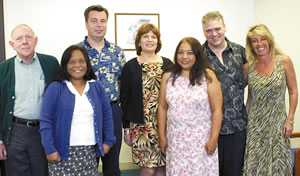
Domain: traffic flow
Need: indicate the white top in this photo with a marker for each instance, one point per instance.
(82, 128)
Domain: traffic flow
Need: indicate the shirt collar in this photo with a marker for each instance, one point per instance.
(229, 44)
(228, 47)
(74, 91)
(88, 46)
(22, 61)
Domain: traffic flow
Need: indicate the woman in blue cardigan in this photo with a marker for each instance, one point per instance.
(76, 120)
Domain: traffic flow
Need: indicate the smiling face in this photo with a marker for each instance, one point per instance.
(77, 66)
(23, 41)
(96, 24)
(148, 42)
(260, 45)
(214, 31)
(185, 56)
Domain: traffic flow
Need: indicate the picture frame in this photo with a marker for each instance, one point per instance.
(127, 24)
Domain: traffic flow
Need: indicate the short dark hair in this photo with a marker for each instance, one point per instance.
(200, 67)
(98, 8)
(63, 74)
(143, 29)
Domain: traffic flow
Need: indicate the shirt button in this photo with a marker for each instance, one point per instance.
(10, 112)
(13, 97)
(96, 131)
(9, 128)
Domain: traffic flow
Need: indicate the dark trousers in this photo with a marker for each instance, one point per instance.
(25, 153)
(110, 162)
(2, 167)
(231, 150)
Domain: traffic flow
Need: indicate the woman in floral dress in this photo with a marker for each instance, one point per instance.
(140, 82)
(190, 113)
(268, 148)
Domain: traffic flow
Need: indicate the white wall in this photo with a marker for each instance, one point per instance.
(282, 18)
(60, 23)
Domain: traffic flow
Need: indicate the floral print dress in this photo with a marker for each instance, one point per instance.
(145, 151)
(188, 130)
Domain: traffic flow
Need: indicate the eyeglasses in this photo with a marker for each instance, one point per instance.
(188, 53)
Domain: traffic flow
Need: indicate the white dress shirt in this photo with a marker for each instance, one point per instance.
(82, 128)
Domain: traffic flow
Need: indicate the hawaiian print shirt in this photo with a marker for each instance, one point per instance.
(107, 65)
(230, 75)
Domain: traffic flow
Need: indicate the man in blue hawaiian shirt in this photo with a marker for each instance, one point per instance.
(107, 60)
(228, 59)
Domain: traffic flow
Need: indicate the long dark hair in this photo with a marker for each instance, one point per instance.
(198, 69)
(63, 74)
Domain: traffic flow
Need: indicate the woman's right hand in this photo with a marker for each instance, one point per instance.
(127, 139)
(211, 146)
(163, 143)
(53, 158)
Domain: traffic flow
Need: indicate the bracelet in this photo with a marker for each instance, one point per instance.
(290, 121)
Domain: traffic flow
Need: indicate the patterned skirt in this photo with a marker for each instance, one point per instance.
(145, 151)
(81, 162)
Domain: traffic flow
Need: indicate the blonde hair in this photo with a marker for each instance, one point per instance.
(263, 30)
(209, 16)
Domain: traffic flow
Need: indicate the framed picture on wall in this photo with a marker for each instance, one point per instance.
(127, 24)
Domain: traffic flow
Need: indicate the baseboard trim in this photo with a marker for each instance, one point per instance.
(123, 166)
(128, 166)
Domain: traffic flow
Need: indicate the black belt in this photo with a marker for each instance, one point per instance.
(29, 123)
(114, 102)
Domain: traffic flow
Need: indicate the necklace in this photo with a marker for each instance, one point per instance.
(153, 59)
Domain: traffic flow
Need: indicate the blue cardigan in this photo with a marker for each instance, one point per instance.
(57, 114)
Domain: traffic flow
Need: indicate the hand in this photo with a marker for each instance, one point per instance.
(163, 143)
(53, 158)
(3, 152)
(127, 139)
(210, 146)
(106, 148)
(287, 129)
